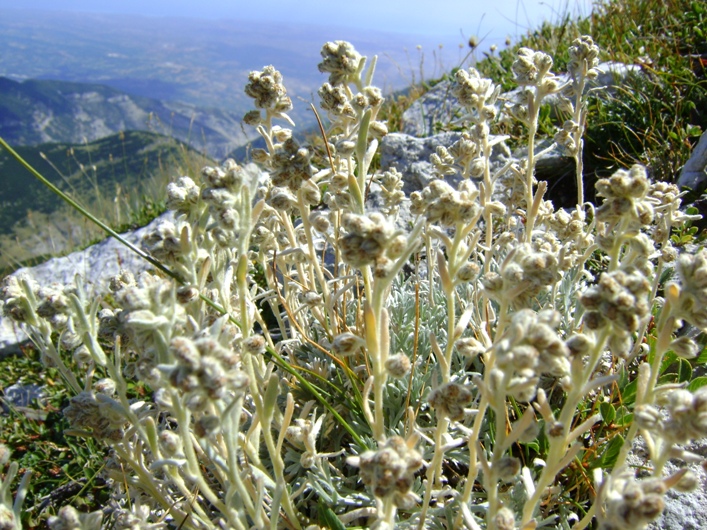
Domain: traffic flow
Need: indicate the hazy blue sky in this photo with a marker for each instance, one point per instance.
(439, 18)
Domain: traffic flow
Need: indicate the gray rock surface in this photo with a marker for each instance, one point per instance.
(432, 112)
(411, 156)
(95, 265)
(694, 173)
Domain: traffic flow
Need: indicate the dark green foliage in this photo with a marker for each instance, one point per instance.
(655, 118)
(125, 160)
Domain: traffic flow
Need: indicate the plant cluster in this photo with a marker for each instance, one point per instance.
(314, 358)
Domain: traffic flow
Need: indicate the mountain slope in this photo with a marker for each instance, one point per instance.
(40, 111)
(93, 172)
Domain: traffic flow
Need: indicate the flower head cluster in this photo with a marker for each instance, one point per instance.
(370, 239)
(226, 190)
(626, 197)
(450, 399)
(565, 138)
(666, 203)
(24, 300)
(205, 366)
(391, 191)
(462, 154)
(335, 100)
(303, 435)
(164, 241)
(533, 68)
(691, 300)
(621, 299)
(584, 57)
(340, 60)
(137, 517)
(440, 203)
(267, 90)
(390, 470)
(531, 347)
(70, 519)
(371, 96)
(476, 93)
(686, 418)
(147, 306)
(290, 165)
(567, 225)
(630, 504)
(443, 162)
(15, 301)
(466, 154)
(183, 195)
(524, 274)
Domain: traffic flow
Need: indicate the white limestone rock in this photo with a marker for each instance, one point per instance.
(694, 173)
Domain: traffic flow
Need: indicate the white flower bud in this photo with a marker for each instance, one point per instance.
(346, 344)
(105, 386)
(685, 347)
(170, 443)
(398, 365)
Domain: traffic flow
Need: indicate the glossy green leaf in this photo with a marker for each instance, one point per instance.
(608, 412)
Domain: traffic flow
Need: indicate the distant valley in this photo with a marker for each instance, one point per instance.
(41, 111)
(108, 105)
(200, 62)
(94, 173)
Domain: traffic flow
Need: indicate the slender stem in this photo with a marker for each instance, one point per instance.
(579, 117)
(559, 445)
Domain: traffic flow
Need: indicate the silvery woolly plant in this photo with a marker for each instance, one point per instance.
(324, 362)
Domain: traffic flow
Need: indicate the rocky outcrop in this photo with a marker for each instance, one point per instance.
(694, 173)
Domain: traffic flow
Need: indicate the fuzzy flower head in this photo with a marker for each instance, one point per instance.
(16, 303)
(625, 197)
(390, 471)
(525, 273)
(391, 190)
(450, 399)
(164, 242)
(630, 504)
(686, 418)
(69, 518)
(206, 367)
(531, 347)
(97, 413)
(687, 415)
(266, 88)
(476, 93)
(335, 101)
(369, 240)
(619, 299)
(291, 165)
(340, 60)
(440, 203)
(531, 67)
(565, 138)
(690, 297)
(584, 56)
(183, 195)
